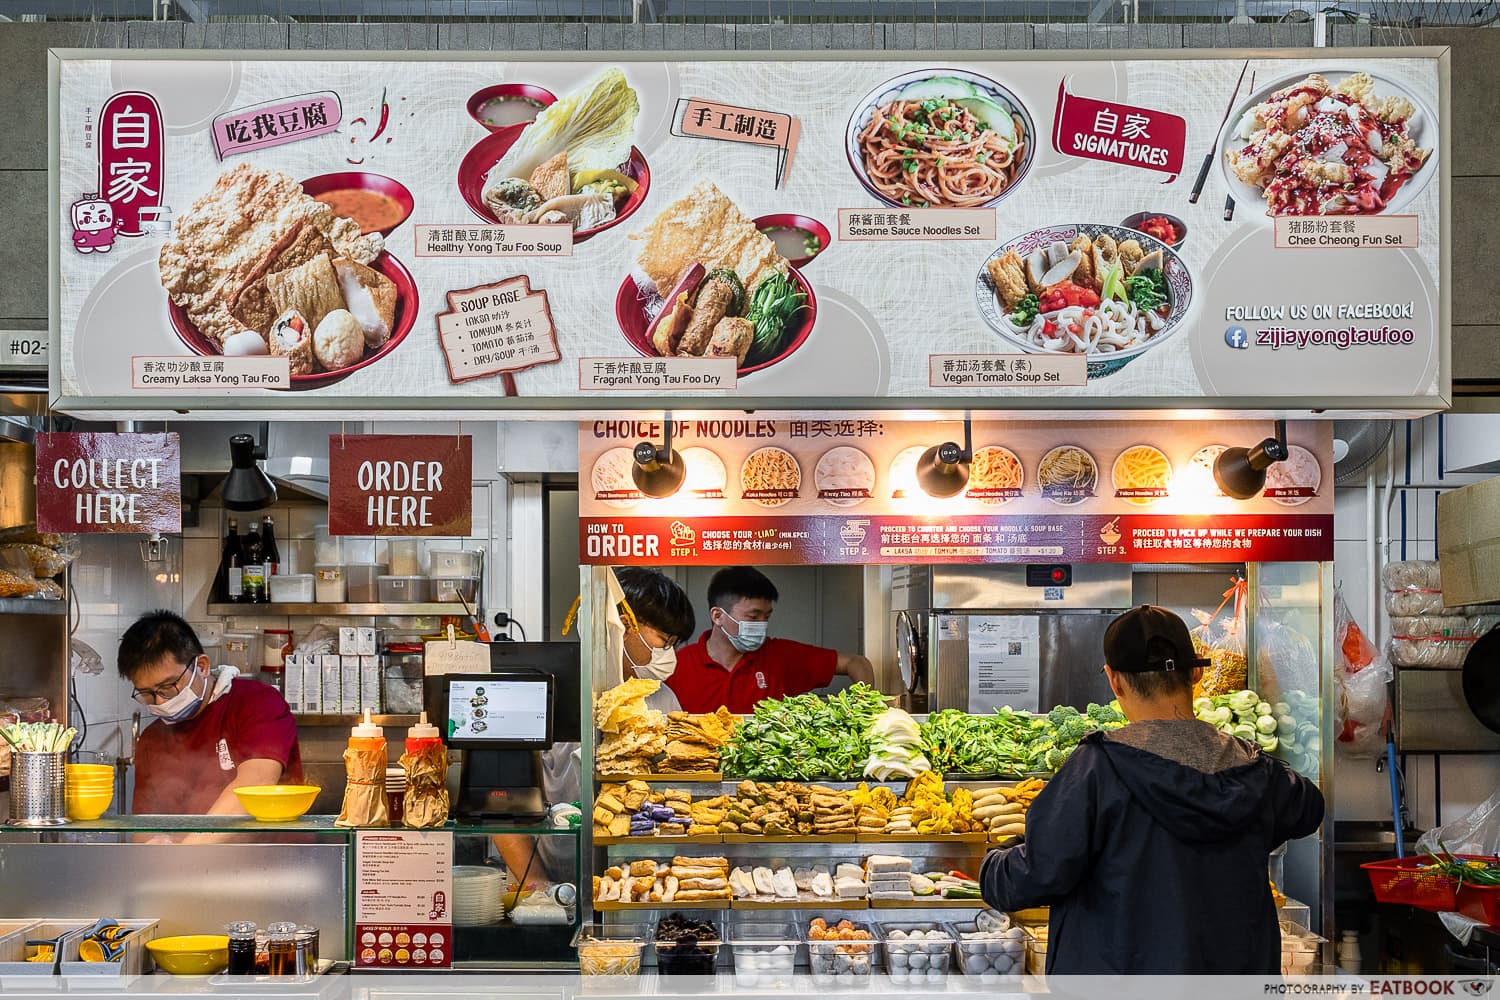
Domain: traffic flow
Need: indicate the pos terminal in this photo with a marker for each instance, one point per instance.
(499, 720)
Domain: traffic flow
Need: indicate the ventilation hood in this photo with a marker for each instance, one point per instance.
(296, 454)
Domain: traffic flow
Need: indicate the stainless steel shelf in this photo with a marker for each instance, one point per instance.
(24, 606)
(312, 610)
(349, 720)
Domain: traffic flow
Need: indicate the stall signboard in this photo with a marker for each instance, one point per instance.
(395, 484)
(937, 231)
(108, 483)
(403, 899)
(848, 491)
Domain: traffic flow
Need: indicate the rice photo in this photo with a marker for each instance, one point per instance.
(844, 476)
(770, 476)
(1295, 481)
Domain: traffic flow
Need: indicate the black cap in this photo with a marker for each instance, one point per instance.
(1149, 638)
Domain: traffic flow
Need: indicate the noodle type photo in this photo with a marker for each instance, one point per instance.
(612, 481)
(940, 139)
(1105, 292)
(1295, 481)
(1142, 475)
(904, 473)
(706, 475)
(845, 476)
(1203, 460)
(1067, 475)
(995, 475)
(770, 477)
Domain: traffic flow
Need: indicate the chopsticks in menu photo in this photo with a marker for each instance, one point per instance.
(1229, 199)
(1208, 158)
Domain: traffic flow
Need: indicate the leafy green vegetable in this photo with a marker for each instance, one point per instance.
(594, 125)
(806, 736)
(1026, 309)
(1148, 290)
(1112, 282)
(773, 304)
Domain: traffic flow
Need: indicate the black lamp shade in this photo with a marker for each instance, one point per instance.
(943, 470)
(657, 472)
(246, 487)
(1236, 476)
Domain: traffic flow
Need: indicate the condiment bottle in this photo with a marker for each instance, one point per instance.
(364, 777)
(422, 736)
(425, 803)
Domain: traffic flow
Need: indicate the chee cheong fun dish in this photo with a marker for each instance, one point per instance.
(261, 268)
(1090, 296)
(565, 166)
(726, 290)
(942, 143)
(1317, 148)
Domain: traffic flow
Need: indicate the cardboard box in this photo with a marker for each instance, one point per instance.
(312, 684)
(349, 687)
(292, 682)
(367, 642)
(331, 670)
(348, 641)
(369, 684)
(1468, 536)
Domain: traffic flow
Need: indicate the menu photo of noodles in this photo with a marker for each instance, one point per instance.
(995, 475)
(1201, 465)
(706, 475)
(770, 476)
(844, 476)
(1068, 475)
(611, 479)
(1105, 292)
(1294, 481)
(903, 475)
(1142, 475)
(940, 138)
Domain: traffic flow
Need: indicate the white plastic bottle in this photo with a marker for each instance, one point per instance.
(1348, 952)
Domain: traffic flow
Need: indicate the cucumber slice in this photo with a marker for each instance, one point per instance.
(938, 87)
(992, 115)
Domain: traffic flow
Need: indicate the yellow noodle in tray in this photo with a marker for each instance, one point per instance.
(995, 475)
(770, 476)
(1142, 475)
(1068, 475)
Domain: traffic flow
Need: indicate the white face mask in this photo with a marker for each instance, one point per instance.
(181, 705)
(661, 664)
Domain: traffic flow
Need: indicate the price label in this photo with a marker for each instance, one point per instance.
(23, 348)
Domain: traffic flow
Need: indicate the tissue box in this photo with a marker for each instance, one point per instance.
(349, 688)
(369, 684)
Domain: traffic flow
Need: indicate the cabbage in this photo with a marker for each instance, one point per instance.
(594, 125)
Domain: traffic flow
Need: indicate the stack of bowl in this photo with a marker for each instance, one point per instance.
(91, 789)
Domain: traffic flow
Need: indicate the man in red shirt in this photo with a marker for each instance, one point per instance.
(736, 663)
(215, 732)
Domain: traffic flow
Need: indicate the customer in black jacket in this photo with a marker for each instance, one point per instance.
(1151, 844)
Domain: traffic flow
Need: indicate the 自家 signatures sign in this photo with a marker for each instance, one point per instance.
(395, 484)
(108, 483)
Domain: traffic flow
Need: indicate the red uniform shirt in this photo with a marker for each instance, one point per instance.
(779, 668)
(185, 767)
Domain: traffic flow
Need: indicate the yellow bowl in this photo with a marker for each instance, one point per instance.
(91, 786)
(191, 954)
(86, 806)
(100, 772)
(276, 803)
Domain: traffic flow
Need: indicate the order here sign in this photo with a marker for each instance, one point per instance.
(390, 484)
(108, 483)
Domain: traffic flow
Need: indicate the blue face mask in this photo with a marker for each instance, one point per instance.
(182, 705)
(749, 636)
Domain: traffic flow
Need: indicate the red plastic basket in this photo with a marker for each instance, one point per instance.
(1480, 902)
(1412, 882)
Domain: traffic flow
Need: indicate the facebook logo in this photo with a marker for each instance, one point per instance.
(1237, 338)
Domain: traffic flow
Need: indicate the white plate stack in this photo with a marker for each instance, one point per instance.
(478, 895)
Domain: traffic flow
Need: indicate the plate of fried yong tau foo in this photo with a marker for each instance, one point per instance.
(259, 268)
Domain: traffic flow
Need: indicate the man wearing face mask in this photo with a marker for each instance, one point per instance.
(214, 731)
(736, 663)
(665, 618)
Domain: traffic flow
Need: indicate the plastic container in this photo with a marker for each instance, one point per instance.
(363, 582)
(13, 948)
(765, 955)
(330, 586)
(359, 551)
(292, 588)
(992, 956)
(1480, 902)
(455, 562)
(1300, 948)
(275, 643)
(455, 589)
(687, 958)
(405, 556)
(132, 961)
(327, 549)
(403, 589)
(844, 962)
(240, 651)
(613, 951)
(1036, 951)
(918, 952)
(401, 683)
(1413, 881)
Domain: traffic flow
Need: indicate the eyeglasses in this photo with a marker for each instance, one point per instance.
(160, 693)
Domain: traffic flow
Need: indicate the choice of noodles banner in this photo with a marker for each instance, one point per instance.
(945, 230)
(853, 491)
